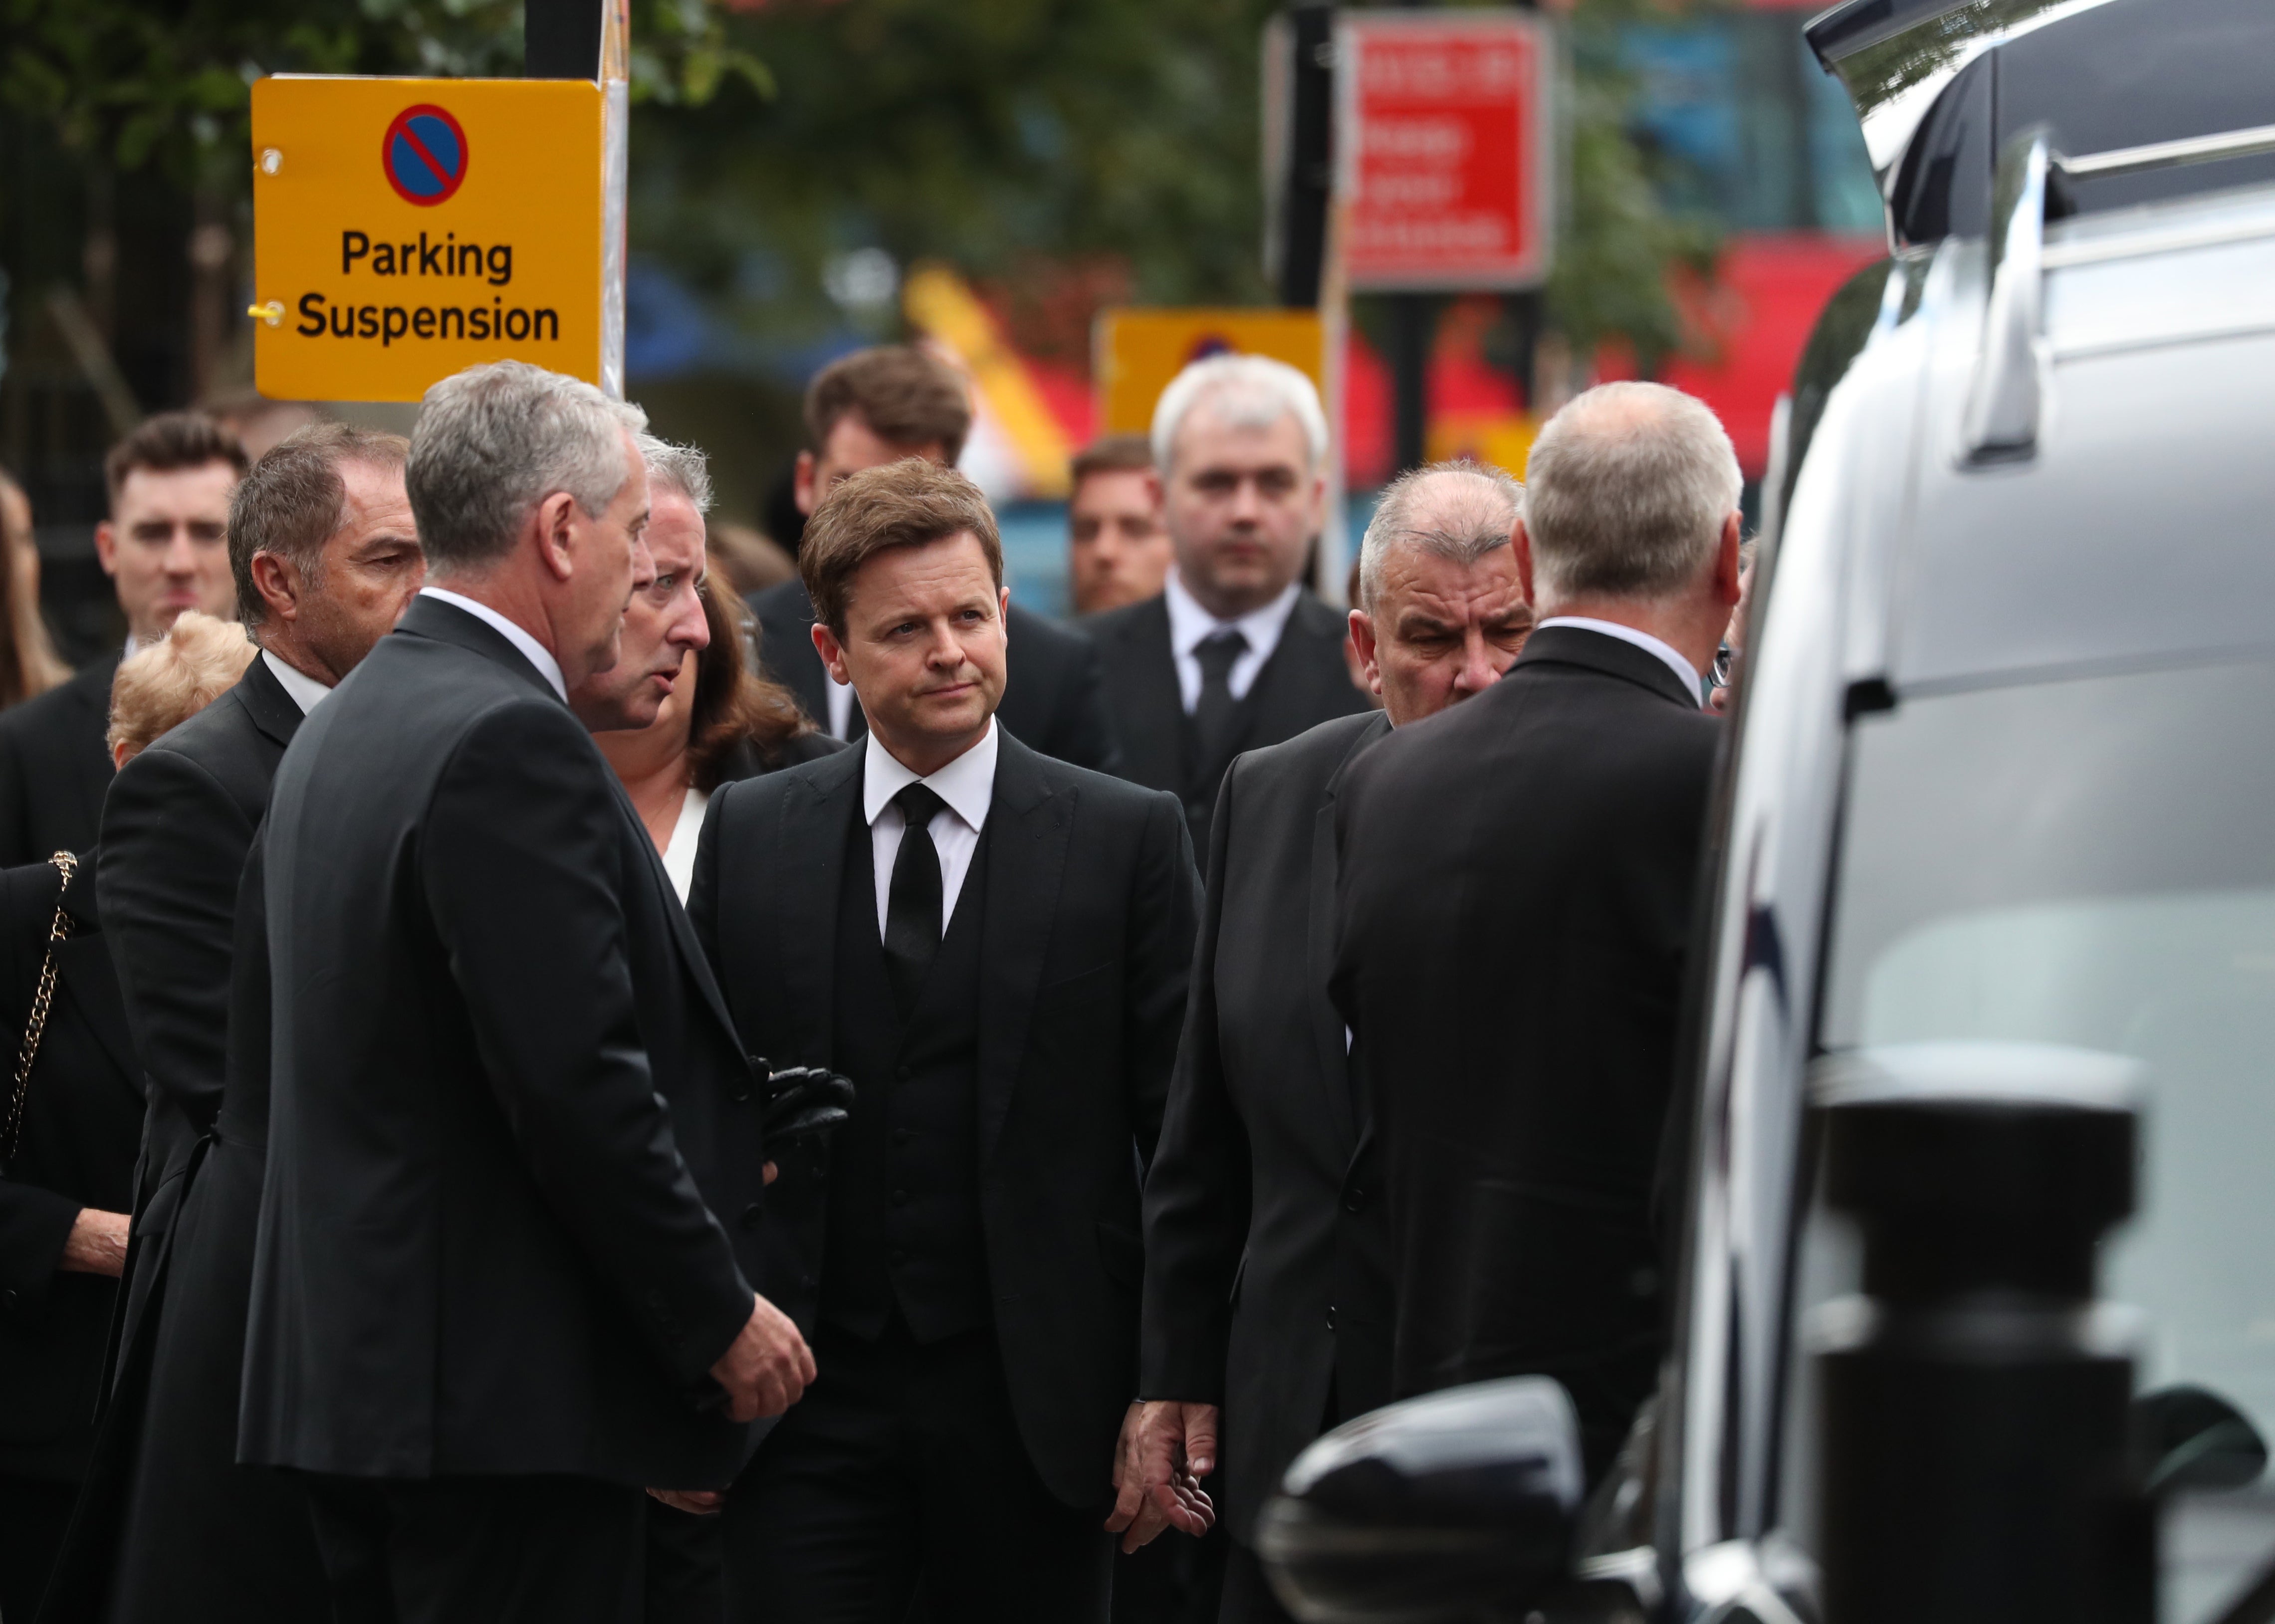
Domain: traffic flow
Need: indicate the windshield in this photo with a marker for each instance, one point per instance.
(2091, 863)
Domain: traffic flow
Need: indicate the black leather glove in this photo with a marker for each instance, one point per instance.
(802, 1101)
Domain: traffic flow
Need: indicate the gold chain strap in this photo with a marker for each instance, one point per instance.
(66, 865)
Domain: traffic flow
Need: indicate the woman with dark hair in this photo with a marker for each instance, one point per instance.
(722, 722)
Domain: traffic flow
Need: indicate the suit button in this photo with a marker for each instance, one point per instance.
(1331, 1316)
(754, 1215)
(1355, 1201)
(900, 1197)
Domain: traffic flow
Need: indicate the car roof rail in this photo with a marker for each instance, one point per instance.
(2030, 187)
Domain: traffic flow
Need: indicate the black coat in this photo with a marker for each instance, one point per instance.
(55, 766)
(1267, 1273)
(1303, 684)
(1513, 908)
(178, 821)
(1085, 943)
(480, 1249)
(1052, 699)
(82, 1121)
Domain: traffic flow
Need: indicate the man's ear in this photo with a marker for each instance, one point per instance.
(557, 533)
(106, 547)
(1361, 637)
(801, 484)
(279, 584)
(1003, 610)
(831, 653)
(1726, 567)
(1522, 539)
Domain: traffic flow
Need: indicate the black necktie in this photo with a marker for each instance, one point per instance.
(912, 906)
(1216, 716)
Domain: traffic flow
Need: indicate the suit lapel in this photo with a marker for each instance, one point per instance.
(1153, 718)
(1029, 824)
(1281, 703)
(819, 812)
(273, 712)
(1319, 945)
(690, 951)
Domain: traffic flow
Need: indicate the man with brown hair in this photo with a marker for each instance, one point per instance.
(325, 556)
(1117, 544)
(993, 945)
(877, 406)
(162, 547)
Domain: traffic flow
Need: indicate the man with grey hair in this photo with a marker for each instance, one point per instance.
(1232, 654)
(1514, 904)
(1257, 1175)
(488, 1304)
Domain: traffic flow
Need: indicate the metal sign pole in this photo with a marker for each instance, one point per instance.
(592, 40)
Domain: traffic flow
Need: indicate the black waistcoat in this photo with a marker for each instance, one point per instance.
(1204, 775)
(904, 1224)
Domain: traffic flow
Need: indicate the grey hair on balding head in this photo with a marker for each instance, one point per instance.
(493, 442)
(1460, 510)
(1626, 492)
(683, 470)
(1245, 391)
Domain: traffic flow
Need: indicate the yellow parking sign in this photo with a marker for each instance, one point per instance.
(404, 229)
(1137, 352)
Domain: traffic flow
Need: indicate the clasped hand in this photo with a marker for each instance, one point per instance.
(1166, 1447)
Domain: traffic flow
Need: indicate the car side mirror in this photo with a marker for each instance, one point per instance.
(1459, 1504)
(2193, 1439)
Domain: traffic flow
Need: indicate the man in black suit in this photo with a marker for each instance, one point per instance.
(993, 945)
(877, 406)
(1234, 654)
(488, 1304)
(1513, 909)
(163, 547)
(1257, 1180)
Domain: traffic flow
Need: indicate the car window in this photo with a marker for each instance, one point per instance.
(2091, 863)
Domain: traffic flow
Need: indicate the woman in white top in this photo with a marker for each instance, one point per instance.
(723, 721)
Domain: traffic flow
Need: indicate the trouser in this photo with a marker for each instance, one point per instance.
(34, 1513)
(479, 1550)
(1248, 1597)
(902, 1462)
(683, 1582)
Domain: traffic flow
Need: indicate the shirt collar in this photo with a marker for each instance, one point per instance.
(305, 691)
(1189, 623)
(967, 783)
(1643, 640)
(531, 650)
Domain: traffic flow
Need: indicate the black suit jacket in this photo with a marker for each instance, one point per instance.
(1303, 684)
(480, 1249)
(1267, 1274)
(55, 766)
(82, 1120)
(1086, 940)
(178, 821)
(1513, 908)
(1052, 697)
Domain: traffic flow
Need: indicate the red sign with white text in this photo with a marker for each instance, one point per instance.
(1446, 140)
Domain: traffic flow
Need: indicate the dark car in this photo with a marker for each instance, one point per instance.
(1977, 1316)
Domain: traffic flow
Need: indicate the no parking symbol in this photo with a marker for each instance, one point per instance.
(425, 154)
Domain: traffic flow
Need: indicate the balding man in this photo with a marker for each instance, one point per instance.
(1259, 1149)
(1234, 654)
(1514, 906)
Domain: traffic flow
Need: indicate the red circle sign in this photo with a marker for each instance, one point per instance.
(424, 153)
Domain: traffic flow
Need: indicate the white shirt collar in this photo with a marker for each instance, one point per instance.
(306, 691)
(531, 650)
(967, 783)
(1643, 641)
(1189, 623)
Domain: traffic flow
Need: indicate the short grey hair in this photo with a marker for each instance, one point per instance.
(495, 441)
(683, 470)
(1460, 511)
(1248, 391)
(1627, 491)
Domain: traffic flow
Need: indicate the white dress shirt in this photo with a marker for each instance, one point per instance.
(1643, 641)
(967, 784)
(306, 691)
(1189, 623)
(686, 835)
(840, 695)
(531, 650)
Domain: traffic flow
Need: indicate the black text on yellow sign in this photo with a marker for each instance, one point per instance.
(407, 229)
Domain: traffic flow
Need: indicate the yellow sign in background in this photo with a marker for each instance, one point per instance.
(1136, 352)
(362, 292)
